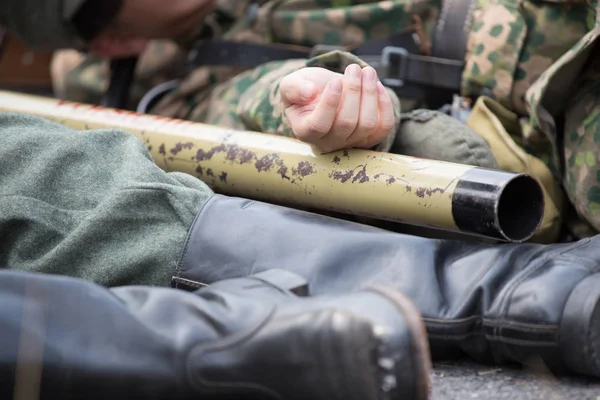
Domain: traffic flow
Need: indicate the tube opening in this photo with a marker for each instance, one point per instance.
(520, 208)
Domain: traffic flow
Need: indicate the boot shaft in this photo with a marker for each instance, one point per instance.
(495, 302)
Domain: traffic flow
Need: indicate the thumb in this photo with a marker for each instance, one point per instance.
(296, 90)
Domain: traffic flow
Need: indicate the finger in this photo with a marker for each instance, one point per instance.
(296, 90)
(320, 121)
(347, 117)
(387, 119)
(368, 120)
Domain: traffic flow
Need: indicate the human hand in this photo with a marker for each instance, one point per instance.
(334, 111)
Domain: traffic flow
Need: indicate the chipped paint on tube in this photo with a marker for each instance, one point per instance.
(284, 170)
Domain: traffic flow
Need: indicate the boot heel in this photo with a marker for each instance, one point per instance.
(284, 280)
(580, 328)
(413, 318)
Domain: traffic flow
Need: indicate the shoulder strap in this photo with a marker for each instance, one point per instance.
(396, 58)
(452, 30)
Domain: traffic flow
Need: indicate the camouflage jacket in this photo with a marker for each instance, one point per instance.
(564, 127)
(508, 45)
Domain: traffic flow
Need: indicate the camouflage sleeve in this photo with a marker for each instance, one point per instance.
(42, 24)
(260, 107)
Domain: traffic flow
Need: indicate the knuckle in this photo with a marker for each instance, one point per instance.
(332, 101)
(369, 123)
(315, 129)
(370, 90)
(285, 82)
(347, 123)
(387, 124)
(354, 86)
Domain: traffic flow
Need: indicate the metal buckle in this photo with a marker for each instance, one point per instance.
(320, 49)
(252, 13)
(192, 55)
(389, 54)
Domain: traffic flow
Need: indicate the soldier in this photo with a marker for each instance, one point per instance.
(488, 51)
(214, 94)
(249, 337)
(95, 206)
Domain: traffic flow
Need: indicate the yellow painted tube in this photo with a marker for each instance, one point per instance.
(409, 190)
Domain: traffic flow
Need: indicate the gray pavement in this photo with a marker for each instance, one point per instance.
(464, 381)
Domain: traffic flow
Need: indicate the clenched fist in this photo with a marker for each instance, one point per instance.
(334, 111)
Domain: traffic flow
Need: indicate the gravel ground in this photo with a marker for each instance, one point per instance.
(465, 381)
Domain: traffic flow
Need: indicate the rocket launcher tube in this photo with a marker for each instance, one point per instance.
(282, 170)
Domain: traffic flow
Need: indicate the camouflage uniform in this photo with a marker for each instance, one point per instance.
(87, 78)
(510, 44)
(244, 98)
(513, 47)
(568, 122)
(319, 23)
(94, 205)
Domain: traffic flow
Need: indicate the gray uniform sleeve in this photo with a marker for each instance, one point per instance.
(42, 24)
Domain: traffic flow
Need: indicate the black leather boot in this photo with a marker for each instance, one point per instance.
(496, 302)
(249, 338)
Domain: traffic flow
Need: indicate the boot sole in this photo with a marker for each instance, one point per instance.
(580, 328)
(418, 335)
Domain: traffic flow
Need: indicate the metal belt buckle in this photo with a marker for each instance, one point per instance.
(192, 56)
(252, 13)
(394, 55)
(323, 49)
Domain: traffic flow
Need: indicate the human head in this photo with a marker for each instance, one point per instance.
(134, 22)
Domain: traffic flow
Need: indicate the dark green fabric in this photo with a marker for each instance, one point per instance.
(91, 205)
(437, 136)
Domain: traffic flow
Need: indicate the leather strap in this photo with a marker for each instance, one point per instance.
(122, 75)
(248, 55)
(398, 69)
(452, 29)
(397, 63)
(394, 59)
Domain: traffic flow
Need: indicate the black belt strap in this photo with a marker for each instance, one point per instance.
(393, 58)
(397, 69)
(452, 30)
(248, 55)
(122, 75)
